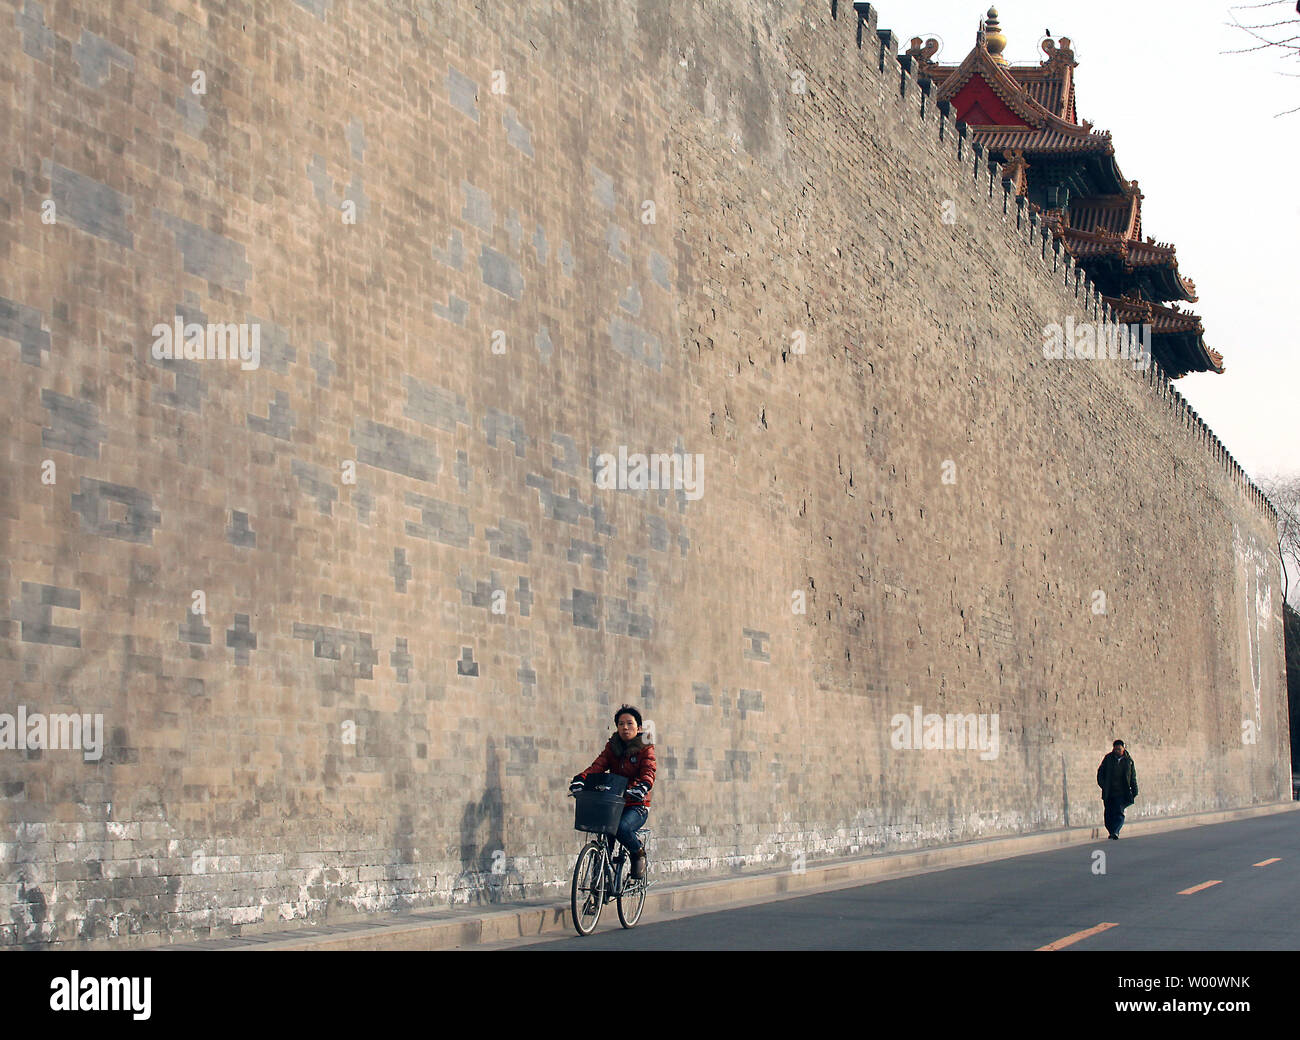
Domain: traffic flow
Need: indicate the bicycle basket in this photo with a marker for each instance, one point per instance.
(600, 804)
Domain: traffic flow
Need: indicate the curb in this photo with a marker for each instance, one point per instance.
(536, 921)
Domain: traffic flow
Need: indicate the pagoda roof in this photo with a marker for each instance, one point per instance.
(1177, 336)
(1026, 117)
(1041, 96)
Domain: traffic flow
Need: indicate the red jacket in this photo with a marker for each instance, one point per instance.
(635, 760)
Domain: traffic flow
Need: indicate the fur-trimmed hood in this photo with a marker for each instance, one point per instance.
(620, 747)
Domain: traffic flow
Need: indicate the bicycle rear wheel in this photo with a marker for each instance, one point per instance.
(632, 902)
(587, 896)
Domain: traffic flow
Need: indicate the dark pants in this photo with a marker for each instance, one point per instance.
(634, 818)
(1115, 806)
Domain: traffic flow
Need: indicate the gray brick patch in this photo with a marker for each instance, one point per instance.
(569, 461)
(631, 300)
(467, 665)
(510, 541)
(316, 7)
(439, 521)
(387, 448)
(497, 423)
(647, 693)
(195, 630)
(194, 117)
(516, 133)
(35, 612)
(568, 509)
(207, 255)
(616, 243)
(524, 597)
(316, 483)
(321, 183)
(323, 365)
(462, 92)
(400, 661)
(585, 608)
(94, 55)
(567, 262)
(464, 471)
(134, 523)
(328, 644)
(23, 325)
(756, 645)
(400, 570)
(239, 533)
(364, 504)
(241, 638)
(578, 549)
(37, 38)
(475, 593)
(702, 693)
(74, 425)
(275, 350)
(279, 420)
(454, 312)
(749, 700)
(625, 620)
(356, 137)
(478, 207)
(453, 255)
(501, 273)
(434, 406)
(522, 759)
(636, 343)
(540, 245)
(90, 205)
(659, 270)
(602, 187)
(514, 230)
(544, 345)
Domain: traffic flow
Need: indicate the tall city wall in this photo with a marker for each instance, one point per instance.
(353, 617)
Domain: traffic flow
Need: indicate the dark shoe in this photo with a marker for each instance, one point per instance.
(638, 866)
(1113, 837)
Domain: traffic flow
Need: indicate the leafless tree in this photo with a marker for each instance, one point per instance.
(1284, 493)
(1281, 35)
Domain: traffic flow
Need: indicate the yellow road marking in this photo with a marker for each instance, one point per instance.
(1070, 940)
(1197, 888)
(1265, 863)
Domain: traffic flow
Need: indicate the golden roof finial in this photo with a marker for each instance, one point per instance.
(993, 38)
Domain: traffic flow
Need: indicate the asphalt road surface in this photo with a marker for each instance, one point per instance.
(1231, 886)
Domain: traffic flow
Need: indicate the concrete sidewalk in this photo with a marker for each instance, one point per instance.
(446, 929)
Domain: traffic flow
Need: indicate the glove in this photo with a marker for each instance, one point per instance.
(638, 792)
(576, 784)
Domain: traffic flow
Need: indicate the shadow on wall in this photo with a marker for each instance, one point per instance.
(487, 874)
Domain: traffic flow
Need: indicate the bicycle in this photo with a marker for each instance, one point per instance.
(597, 874)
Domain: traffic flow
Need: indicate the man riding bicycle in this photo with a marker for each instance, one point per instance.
(628, 754)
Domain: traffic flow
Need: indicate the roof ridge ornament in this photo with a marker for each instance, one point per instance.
(923, 55)
(1059, 53)
(994, 41)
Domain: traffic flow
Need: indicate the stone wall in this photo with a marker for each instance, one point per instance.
(353, 616)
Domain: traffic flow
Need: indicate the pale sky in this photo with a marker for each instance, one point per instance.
(1197, 128)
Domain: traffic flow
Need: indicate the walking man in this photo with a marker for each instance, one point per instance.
(1117, 777)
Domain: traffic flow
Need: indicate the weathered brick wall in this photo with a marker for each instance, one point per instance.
(482, 245)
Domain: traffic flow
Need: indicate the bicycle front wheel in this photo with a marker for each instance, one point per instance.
(631, 903)
(587, 896)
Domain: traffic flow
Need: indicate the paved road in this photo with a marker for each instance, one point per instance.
(1026, 903)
